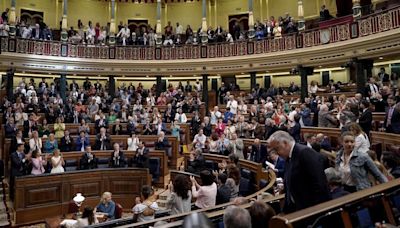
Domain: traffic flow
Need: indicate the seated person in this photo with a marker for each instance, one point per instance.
(162, 142)
(88, 160)
(258, 152)
(141, 158)
(223, 191)
(82, 141)
(106, 205)
(335, 183)
(103, 140)
(117, 157)
(196, 162)
(147, 128)
(66, 142)
(101, 123)
(88, 218)
(145, 207)
(50, 144)
(277, 164)
(117, 128)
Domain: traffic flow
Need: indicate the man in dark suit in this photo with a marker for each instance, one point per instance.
(305, 180)
(100, 123)
(103, 140)
(392, 117)
(365, 119)
(66, 142)
(19, 162)
(279, 164)
(141, 158)
(383, 76)
(258, 152)
(294, 128)
(117, 157)
(88, 159)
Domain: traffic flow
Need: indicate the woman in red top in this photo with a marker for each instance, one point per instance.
(220, 127)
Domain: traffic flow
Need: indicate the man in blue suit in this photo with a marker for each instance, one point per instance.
(82, 141)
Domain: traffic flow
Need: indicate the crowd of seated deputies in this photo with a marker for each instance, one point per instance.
(232, 130)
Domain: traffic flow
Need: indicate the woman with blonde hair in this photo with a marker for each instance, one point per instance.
(106, 205)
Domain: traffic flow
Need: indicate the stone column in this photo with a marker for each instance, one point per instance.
(304, 72)
(12, 18)
(253, 80)
(112, 25)
(158, 26)
(63, 87)
(363, 71)
(204, 36)
(10, 83)
(356, 9)
(300, 12)
(111, 85)
(64, 22)
(252, 32)
(158, 85)
(205, 92)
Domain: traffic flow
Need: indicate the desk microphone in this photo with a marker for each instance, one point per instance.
(325, 215)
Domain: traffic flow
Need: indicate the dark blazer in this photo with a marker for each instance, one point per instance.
(120, 131)
(86, 164)
(161, 145)
(155, 128)
(106, 142)
(280, 166)
(295, 131)
(98, 125)
(66, 146)
(197, 165)
(130, 127)
(207, 130)
(306, 117)
(305, 180)
(18, 167)
(142, 161)
(26, 128)
(223, 194)
(14, 144)
(10, 130)
(394, 126)
(258, 154)
(365, 121)
(117, 162)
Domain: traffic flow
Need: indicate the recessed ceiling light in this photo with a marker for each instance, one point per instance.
(147, 76)
(267, 71)
(242, 73)
(381, 58)
(320, 66)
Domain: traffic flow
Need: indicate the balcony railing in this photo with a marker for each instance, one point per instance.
(372, 24)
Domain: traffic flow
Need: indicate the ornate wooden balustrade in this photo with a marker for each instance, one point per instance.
(387, 20)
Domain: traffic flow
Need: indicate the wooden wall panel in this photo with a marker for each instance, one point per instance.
(43, 196)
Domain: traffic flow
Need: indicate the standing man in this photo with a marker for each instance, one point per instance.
(305, 180)
(19, 167)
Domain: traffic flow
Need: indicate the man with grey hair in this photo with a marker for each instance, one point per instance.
(237, 217)
(304, 178)
(325, 117)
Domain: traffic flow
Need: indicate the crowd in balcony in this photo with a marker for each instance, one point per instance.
(146, 35)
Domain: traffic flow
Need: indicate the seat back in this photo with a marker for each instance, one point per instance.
(71, 165)
(103, 163)
(154, 168)
(118, 211)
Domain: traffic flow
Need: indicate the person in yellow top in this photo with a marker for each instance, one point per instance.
(59, 128)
